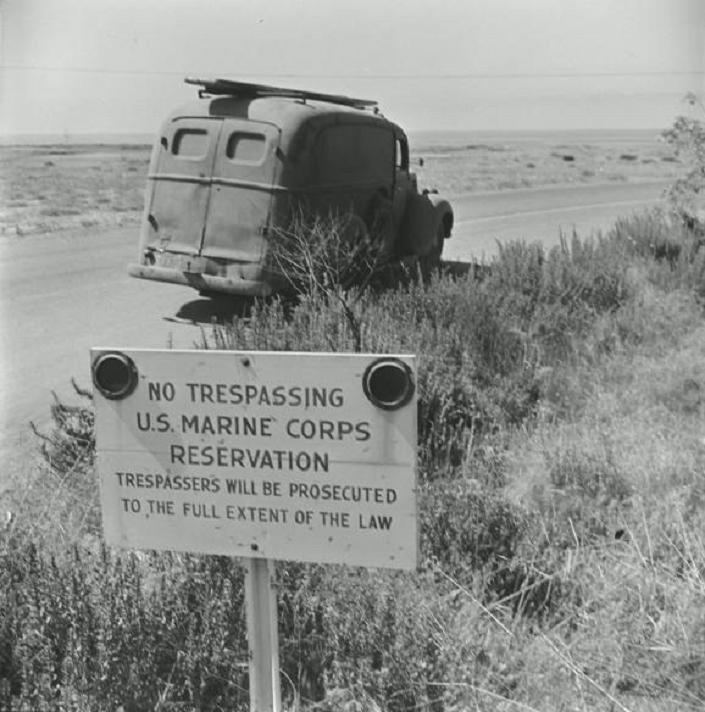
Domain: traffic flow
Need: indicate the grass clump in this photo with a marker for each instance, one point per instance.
(560, 459)
(89, 630)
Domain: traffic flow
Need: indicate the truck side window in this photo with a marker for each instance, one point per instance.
(402, 154)
(348, 153)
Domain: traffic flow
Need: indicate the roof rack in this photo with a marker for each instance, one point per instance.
(232, 88)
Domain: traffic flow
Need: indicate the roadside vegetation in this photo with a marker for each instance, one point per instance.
(561, 451)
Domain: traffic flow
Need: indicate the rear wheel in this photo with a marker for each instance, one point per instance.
(431, 262)
(353, 230)
(381, 223)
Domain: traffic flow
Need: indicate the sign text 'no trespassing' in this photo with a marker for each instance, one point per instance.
(297, 456)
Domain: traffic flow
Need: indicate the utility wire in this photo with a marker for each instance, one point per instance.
(285, 75)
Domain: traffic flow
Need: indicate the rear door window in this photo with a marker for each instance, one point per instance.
(190, 143)
(246, 147)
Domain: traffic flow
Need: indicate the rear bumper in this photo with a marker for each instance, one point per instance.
(202, 282)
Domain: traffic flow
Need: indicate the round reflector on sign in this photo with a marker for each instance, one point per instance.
(114, 375)
(388, 383)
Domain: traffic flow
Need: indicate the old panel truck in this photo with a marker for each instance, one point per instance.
(235, 165)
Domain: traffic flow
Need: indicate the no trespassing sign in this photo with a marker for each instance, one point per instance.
(295, 456)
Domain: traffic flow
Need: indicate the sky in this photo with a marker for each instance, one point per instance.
(76, 67)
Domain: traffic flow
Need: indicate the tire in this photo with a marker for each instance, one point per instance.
(431, 262)
(381, 223)
(353, 229)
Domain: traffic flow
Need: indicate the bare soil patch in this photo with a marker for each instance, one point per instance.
(58, 187)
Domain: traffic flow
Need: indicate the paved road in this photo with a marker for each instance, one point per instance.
(541, 214)
(62, 294)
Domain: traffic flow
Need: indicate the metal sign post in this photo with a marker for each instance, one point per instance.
(262, 636)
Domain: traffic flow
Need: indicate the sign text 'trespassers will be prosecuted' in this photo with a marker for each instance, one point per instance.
(275, 455)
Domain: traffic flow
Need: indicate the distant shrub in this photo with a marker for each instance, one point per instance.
(71, 444)
(651, 234)
(687, 137)
(673, 250)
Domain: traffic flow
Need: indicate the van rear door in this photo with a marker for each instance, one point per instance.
(238, 211)
(181, 185)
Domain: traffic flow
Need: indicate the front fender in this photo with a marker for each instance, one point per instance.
(444, 213)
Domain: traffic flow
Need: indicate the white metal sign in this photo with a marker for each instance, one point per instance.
(276, 455)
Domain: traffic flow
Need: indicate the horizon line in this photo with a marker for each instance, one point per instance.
(53, 137)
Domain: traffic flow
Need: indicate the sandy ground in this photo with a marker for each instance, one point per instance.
(60, 187)
(50, 188)
(457, 166)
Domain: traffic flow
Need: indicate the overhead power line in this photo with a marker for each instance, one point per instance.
(286, 75)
